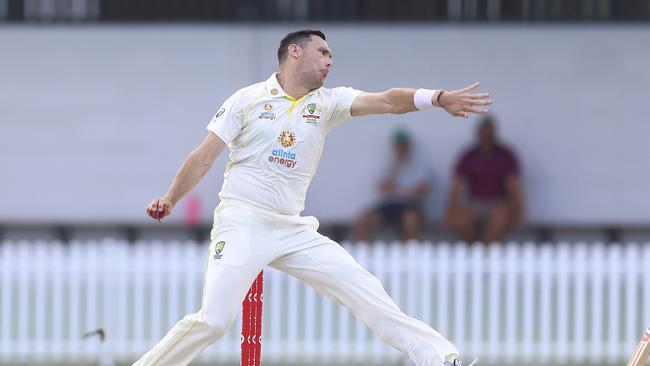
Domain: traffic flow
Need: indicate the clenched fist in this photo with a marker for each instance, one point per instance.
(159, 208)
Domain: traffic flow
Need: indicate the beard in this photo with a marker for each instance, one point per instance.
(312, 79)
(314, 82)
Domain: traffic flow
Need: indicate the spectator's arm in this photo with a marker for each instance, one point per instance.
(417, 192)
(515, 200)
(453, 200)
(387, 184)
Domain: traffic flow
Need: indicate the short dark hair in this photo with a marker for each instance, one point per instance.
(301, 38)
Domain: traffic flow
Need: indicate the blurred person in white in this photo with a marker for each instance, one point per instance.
(402, 187)
(275, 131)
(486, 189)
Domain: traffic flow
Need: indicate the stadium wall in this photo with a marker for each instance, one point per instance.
(95, 120)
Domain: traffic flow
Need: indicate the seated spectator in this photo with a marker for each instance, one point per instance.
(489, 173)
(402, 191)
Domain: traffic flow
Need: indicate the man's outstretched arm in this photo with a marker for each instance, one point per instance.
(458, 103)
(197, 163)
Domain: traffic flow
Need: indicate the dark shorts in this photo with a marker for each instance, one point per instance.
(482, 208)
(393, 211)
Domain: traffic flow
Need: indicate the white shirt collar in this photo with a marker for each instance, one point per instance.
(273, 86)
(275, 90)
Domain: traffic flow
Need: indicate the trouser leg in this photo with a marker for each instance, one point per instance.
(331, 270)
(224, 289)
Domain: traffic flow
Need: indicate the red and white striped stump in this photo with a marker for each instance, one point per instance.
(251, 332)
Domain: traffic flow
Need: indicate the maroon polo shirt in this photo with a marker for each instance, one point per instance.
(486, 174)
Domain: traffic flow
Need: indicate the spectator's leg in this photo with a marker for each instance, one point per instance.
(411, 222)
(364, 225)
(463, 222)
(497, 224)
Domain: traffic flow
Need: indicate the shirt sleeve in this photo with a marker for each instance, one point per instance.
(228, 121)
(510, 163)
(342, 99)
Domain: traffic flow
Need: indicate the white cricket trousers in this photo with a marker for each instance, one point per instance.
(244, 240)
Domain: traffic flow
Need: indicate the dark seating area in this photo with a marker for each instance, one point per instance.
(538, 233)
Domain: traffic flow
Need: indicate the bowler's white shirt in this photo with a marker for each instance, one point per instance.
(276, 141)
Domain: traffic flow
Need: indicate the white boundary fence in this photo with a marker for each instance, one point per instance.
(541, 304)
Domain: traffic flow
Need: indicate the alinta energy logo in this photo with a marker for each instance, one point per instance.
(267, 114)
(311, 113)
(284, 157)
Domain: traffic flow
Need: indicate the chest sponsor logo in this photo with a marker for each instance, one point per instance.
(311, 113)
(287, 139)
(267, 114)
(284, 157)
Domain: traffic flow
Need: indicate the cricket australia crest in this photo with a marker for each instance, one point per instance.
(218, 248)
(311, 113)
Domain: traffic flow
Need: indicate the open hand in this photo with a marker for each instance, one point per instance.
(159, 208)
(461, 102)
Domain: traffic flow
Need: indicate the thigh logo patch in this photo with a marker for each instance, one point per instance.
(218, 248)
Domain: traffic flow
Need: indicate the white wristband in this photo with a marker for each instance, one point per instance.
(425, 99)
